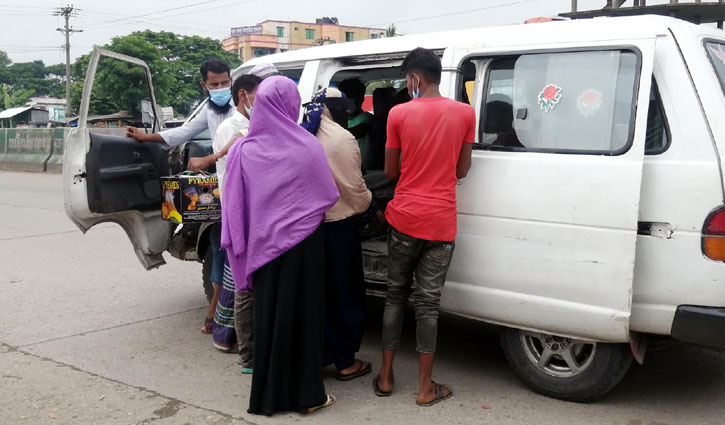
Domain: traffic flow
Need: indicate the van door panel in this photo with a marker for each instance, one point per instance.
(546, 241)
(116, 179)
(123, 174)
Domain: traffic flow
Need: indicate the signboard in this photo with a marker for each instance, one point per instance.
(238, 31)
(167, 112)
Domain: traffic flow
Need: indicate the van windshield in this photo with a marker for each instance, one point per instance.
(716, 53)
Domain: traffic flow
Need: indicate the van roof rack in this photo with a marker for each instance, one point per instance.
(697, 13)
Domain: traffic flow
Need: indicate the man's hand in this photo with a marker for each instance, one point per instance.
(143, 137)
(135, 133)
(202, 163)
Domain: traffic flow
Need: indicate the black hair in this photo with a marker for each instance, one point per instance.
(215, 66)
(353, 89)
(246, 82)
(425, 63)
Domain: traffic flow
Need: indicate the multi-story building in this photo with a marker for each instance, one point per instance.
(280, 36)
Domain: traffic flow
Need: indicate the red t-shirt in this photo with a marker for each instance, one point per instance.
(430, 133)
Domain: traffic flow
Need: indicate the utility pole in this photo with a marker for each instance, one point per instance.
(67, 12)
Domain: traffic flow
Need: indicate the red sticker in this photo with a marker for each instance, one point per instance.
(549, 97)
(589, 102)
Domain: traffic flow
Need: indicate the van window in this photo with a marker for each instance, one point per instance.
(658, 136)
(716, 53)
(576, 102)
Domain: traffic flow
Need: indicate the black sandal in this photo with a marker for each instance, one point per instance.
(378, 391)
(365, 368)
(439, 395)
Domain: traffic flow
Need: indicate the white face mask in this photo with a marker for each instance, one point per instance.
(248, 109)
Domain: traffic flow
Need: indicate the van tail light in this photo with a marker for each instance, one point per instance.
(713, 235)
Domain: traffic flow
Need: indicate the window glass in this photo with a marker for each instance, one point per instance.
(280, 31)
(716, 53)
(310, 34)
(576, 101)
(658, 138)
(349, 36)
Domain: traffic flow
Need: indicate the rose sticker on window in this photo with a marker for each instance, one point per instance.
(549, 97)
(589, 102)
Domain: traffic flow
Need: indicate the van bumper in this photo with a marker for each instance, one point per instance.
(700, 325)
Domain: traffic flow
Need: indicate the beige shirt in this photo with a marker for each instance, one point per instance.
(343, 155)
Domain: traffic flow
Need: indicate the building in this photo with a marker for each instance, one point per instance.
(54, 106)
(24, 117)
(280, 36)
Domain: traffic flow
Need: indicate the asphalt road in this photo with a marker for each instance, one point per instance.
(87, 336)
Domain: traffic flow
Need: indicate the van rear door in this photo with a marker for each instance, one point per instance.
(548, 213)
(114, 178)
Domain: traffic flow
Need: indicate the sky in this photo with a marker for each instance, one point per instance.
(28, 27)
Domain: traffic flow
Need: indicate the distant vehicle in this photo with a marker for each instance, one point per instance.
(592, 218)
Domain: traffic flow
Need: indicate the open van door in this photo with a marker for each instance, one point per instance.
(548, 214)
(113, 178)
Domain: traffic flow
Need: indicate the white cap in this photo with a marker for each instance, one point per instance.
(264, 70)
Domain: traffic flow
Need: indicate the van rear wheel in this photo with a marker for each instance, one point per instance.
(565, 368)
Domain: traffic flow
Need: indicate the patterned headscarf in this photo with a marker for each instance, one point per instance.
(313, 111)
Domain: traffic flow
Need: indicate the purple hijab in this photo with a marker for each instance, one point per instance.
(278, 183)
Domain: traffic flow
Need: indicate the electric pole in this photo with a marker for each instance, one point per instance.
(67, 12)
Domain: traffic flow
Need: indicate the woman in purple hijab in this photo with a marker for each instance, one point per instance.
(277, 189)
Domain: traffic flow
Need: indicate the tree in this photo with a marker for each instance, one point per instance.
(10, 98)
(392, 31)
(4, 59)
(174, 62)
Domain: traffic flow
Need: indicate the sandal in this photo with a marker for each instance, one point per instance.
(329, 402)
(378, 391)
(364, 369)
(206, 329)
(439, 395)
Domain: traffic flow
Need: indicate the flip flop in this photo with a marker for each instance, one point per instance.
(378, 391)
(439, 395)
(206, 329)
(365, 368)
(329, 402)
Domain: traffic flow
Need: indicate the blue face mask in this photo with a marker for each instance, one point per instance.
(220, 97)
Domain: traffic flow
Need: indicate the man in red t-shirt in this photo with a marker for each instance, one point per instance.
(434, 137)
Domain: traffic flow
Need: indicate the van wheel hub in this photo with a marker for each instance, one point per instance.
(558, 356)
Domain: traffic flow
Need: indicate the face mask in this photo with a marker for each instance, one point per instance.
(248, 109)
(416, 92)
(220, 97)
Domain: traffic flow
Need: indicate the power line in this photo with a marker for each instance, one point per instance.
(154, 13)
(234, 3)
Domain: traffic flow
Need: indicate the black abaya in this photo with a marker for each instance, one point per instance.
(289, 320)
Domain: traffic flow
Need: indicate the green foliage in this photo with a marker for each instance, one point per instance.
(4, 59)
(174, 62)
(10, 98)
(43, 80)
(392, 31)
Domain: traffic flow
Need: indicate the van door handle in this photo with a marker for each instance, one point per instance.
(655, 229)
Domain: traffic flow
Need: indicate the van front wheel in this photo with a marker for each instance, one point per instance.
(565, 368)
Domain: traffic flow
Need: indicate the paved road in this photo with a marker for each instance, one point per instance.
(87, 336)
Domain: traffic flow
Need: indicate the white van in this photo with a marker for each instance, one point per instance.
(592, 218)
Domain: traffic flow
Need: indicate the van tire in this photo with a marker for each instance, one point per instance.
(602, 365)
(206, 275)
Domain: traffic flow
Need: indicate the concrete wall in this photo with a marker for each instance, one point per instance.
(37, 149)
